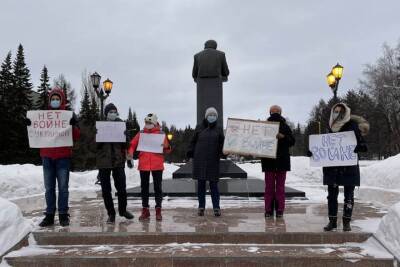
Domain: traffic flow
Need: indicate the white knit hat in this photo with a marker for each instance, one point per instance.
(211, 111)
(151, 118)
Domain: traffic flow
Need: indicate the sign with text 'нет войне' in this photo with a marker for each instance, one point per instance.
(49, 128)
(334, 149)
(250, 137)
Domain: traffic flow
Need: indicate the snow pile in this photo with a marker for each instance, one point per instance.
(389, 230)
(383, 174)
(13, 226)
(27, 180)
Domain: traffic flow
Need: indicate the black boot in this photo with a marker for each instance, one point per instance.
(48, 220)
(200, 212)
(346, 224)
(331, 225)
(64, 219)
(127, 215)
(217, 212)
(111, 219)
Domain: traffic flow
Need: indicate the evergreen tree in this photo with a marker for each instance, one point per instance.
(6, 84)
(94, 110)
(43, 90)
(132, 125)
(20, 102)
(85, 112)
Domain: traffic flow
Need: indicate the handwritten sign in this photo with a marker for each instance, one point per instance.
(151, 143)
(110, 132)
(334, 149)
(249, 137)
(49, 128)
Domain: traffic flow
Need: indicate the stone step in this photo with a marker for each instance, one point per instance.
(200, 255)
(93, 238)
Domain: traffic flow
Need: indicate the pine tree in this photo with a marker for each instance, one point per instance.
(132, 125)
(20, 102)
(6, 84)
(85, 112)
(94, 110)
(43, 89)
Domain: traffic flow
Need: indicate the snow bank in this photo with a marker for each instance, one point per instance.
(383, 174)
(13, 226)
(26, 180)
(389, 230)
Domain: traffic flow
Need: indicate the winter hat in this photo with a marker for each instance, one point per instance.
(109, 107)
(211, 111)
(60, 93)
(151, 118)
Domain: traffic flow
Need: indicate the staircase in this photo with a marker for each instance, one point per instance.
(199, 249)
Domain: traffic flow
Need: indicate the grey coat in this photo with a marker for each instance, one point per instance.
(210, 63)
(206, 150)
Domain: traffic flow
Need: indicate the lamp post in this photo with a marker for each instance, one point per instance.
(170, 136)
(333, 79)
(102, 93)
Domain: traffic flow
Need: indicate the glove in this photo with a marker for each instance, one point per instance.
(130, 164)
(309, 154)
(28, 122)
(73, 121)
(189, 154)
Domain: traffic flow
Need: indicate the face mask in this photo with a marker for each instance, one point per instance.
(335, 115)
(211, 118)
(55, 103)
(149, 126)
(112, 116)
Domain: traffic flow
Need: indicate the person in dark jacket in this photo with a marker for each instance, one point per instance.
(206, 150)
(341, 120)
(275, 169)
(56, 167)
(110, 158)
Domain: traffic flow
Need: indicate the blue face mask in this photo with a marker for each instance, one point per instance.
(211, 118)
(112, 116)
(55, 103)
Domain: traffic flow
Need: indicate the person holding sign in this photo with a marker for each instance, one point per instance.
(206, 150)
(151, 143)
(341, 120)
(275, 169)
(56, 164)
(110, 158)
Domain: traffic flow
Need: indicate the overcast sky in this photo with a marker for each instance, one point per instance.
(279, 52)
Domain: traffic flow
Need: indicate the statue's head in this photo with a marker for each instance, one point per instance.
(210, 44)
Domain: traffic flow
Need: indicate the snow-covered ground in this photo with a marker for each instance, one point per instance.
(380, 185)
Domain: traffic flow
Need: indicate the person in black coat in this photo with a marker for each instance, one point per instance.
(206, 150)
(275, 169)
(341, 120)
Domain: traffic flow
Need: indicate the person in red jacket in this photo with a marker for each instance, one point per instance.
(150, 162)
(56, 166)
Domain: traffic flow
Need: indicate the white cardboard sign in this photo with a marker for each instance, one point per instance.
(334, 149)
(151, 143)
(249, 137)
(110, 132)
(49, 128)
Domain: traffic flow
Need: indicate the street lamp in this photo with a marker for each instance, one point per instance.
(170, 136)
(333, 79)
(102, 93)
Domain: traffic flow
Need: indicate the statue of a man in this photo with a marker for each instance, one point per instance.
(209, 71)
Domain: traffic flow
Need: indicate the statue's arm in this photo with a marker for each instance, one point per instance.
(195, 70)
(225, 69)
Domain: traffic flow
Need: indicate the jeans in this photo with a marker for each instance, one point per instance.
(56, 170)
(201, 193)
(120, 185)
(333, 192)
(145, 183)
(275, 190)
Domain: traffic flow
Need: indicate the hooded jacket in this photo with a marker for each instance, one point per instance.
(59, 152)
(149, 161)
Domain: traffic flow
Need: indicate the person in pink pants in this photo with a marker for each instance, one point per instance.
(275, 169)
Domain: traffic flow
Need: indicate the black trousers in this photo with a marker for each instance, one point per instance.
(333, 192)
(145, 183)
(120, 185)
